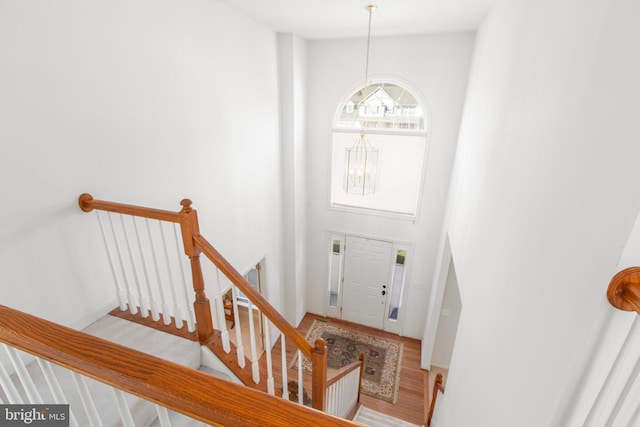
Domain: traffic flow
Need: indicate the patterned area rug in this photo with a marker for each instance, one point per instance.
(382, 357)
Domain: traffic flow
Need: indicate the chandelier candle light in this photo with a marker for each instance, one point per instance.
(361, 159)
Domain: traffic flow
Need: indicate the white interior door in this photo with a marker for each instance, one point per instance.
(366, 276)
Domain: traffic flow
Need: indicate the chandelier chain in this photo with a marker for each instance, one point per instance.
(366, 66)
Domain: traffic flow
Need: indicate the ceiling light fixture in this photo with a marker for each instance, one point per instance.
(361, 158)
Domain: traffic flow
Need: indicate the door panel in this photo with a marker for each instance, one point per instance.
(366, 275)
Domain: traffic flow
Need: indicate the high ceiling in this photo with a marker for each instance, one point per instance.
(327, 19)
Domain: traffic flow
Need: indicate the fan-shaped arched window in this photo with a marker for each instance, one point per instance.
(385, 126)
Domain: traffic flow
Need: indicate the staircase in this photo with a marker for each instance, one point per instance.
(371, 418)
(118, 372)
(166, 346)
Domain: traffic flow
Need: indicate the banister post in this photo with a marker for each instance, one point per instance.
(319, 374)
(201, 306)
(361, 359)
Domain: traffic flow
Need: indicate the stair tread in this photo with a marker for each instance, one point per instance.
(371, 418)
(147, 340)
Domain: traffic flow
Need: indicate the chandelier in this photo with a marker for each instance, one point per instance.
(361, 158)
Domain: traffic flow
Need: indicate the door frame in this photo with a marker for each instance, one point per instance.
(261, 287)
(393, 326)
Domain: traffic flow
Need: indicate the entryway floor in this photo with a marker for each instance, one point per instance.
(411, 394)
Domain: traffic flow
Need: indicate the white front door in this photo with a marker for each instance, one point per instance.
(366, 277)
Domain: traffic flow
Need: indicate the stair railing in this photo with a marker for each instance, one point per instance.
(69, 361)
(130, 285)
(343, 389)
(438, 389)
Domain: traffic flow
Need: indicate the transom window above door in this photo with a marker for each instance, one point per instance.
(390, 122)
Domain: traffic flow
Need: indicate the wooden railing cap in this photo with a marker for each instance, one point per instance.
(624, 290)
(319, 346)
(186, 205)
(84, 201)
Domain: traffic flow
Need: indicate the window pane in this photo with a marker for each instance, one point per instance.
(336, 246)
(386, 106)
(396, 285)
(335, 262)
(399, 173)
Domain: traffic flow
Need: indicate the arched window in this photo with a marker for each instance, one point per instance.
(392, 120)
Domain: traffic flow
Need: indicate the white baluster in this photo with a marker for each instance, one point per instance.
(267, 343)
(285, 386)
(255, 369)
(607, 386)
(87, 401)
(147, 303)
(138, 296)
(176, 308)
(163, 416)
(339, 397)
(236, 318)
(123, 408)
(133, 309)
(187, 289)
(122, 298)
(300, 378)
(29, 387)
(624, 393)
(346, 392)
(55, 388)
(332, 400)
(8, 387)
(222, 322)
(635, 418)
(164, 308)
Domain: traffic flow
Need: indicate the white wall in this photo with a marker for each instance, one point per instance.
(139, 102)
(437, 65)
(448, 323)
(546, 194)
(292, 69)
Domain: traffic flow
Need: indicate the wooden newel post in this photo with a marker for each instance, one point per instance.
(202, 309)
(319, 374)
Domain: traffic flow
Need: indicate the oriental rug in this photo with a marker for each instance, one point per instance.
(382, 357)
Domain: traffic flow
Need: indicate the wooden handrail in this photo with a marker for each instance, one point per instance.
(190, 392)
(437, 387)
(624, 290)
(253, 295)
(88, 203)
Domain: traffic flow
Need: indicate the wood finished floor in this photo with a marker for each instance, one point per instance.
(413, 380)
